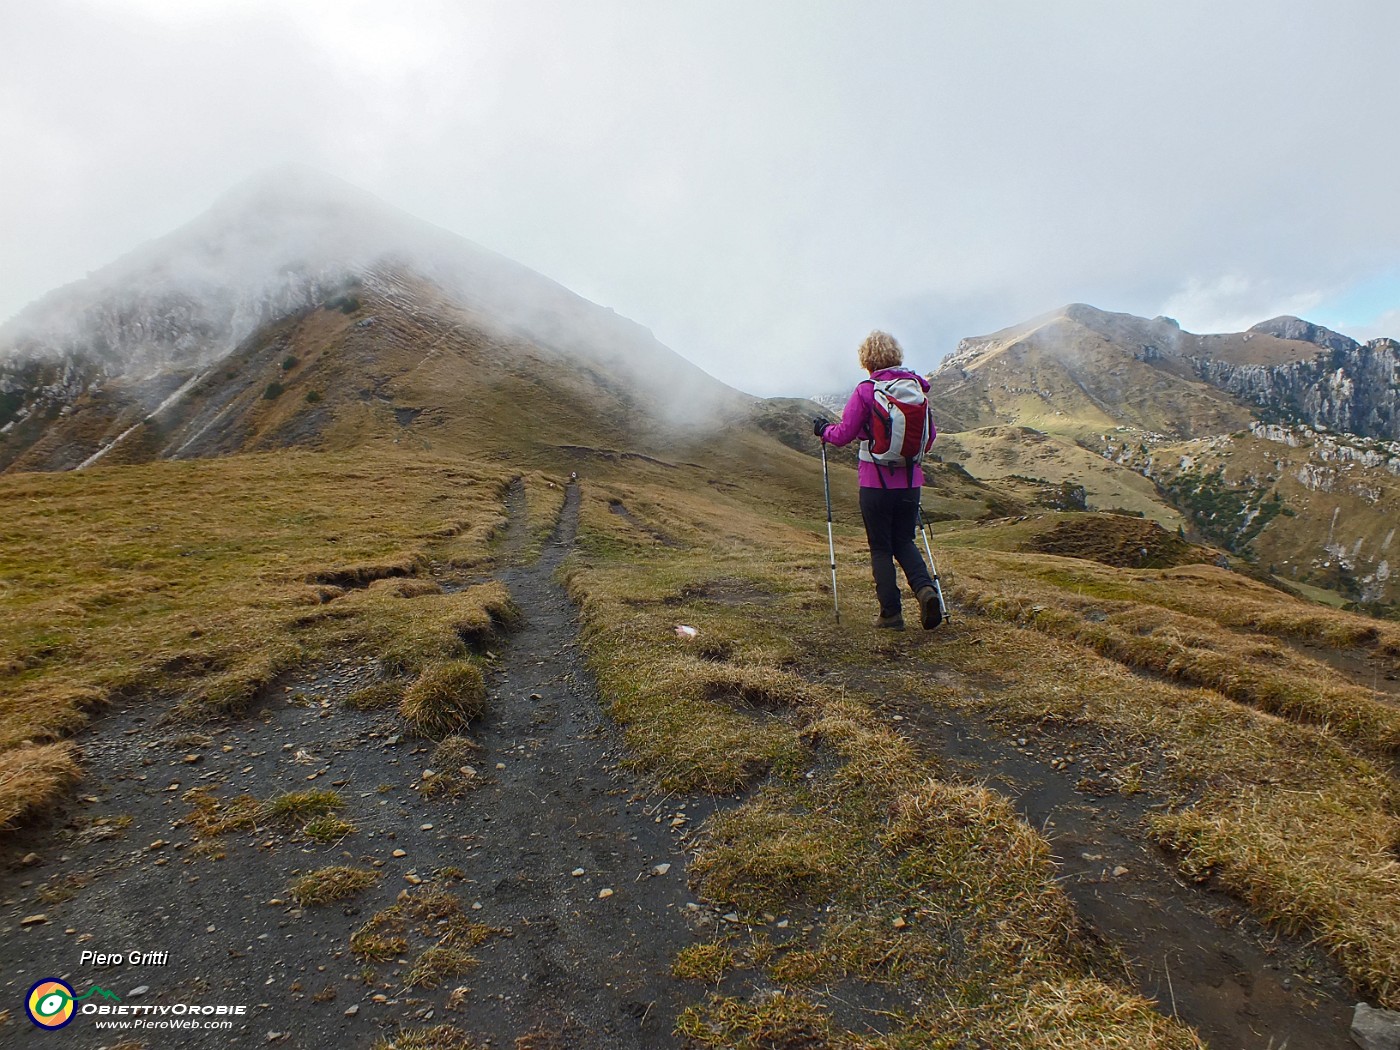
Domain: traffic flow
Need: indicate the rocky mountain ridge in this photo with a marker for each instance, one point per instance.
(1087, 365)
(1353, 388)
(1280, 444)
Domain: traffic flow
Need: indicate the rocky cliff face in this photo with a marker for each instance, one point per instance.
(1348, 387)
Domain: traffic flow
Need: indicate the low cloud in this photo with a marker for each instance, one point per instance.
(758, 184)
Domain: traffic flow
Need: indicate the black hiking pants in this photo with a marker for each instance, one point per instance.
(891, 518)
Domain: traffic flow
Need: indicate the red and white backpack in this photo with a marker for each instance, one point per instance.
(899, 424)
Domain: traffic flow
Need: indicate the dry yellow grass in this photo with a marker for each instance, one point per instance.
(32, 777)
(328, 885)
(1281, 812)
(1304, 858)
(1187, 648)
(849, 823)
(438, 1037)
(444, 698)
(199, 583)
(452, 769)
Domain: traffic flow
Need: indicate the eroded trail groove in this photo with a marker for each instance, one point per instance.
(583, 965)
(1194, 950)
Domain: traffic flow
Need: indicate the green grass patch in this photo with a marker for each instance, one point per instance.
(297, 807)
(328, 885)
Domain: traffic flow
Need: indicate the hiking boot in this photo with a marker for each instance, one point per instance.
(930, 610)
(892, 623)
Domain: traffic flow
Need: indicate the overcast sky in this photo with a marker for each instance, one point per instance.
(760, 183)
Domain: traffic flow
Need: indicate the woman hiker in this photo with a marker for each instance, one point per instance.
(889, 414)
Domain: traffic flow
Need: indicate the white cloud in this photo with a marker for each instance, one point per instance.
(1234, 302)
(759, 183)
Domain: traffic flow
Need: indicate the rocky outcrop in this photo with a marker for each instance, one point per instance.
(1297, 329)
(1352, 387)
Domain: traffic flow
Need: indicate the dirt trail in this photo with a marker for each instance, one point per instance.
(120, 869)
(589, 969)
(1197, 952)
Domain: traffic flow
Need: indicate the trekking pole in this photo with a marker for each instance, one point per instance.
(932, 568)
(830, 543)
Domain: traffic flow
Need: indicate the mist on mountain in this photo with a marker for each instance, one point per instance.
(294, 238)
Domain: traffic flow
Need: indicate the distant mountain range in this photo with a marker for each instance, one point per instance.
(1281, 443)
(1079, 371)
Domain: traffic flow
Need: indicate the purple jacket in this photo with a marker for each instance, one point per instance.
(855, 426)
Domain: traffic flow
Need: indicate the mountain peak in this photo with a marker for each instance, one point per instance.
(1288, 327)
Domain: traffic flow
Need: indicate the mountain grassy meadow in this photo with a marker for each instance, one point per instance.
(349, 660)
(1239, 714)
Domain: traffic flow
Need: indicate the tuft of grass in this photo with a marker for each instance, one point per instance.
(376, 696)
(297, 807)
(31, 778)
(431, 913)
(438, 1037)
(327, 885)
(375, 945)
(777, 1019)
(439, 963)
(406, 587)
(1087, 1014)
(444, 698)
(58, 890)
(327, 828)
(453, 773)
(706, 962)
(410, 636)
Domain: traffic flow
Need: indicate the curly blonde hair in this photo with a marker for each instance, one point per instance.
(880, 350)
